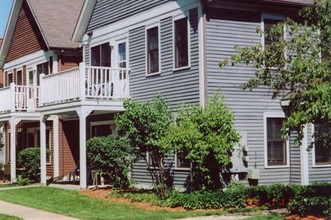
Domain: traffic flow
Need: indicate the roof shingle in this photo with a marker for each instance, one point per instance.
(57, 20)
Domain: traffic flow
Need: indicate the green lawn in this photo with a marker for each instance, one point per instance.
(7, 185)
(73, 204)
(7, 217)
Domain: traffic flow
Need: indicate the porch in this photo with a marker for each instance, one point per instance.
(74, 93)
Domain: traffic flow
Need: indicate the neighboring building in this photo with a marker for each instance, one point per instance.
(140, 49)
(37, 41)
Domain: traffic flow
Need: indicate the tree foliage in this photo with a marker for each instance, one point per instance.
(112, 158)
(208, 135)
(296, 66)
(143, 125)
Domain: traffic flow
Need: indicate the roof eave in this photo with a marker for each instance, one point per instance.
(83, 20)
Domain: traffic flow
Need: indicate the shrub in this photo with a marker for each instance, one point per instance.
(112, 158)
(312, 199)
(29, 161)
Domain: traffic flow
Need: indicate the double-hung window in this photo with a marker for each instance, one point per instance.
(153, 50)
(100, 55)
(10, 78)
(122, 55)
(42, 68)
(321, 144)
(181, 43)
(270, 36)
(181, 161)
(276, 146)
(19, 77)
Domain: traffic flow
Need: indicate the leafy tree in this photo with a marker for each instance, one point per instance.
(296, 67)
(143, 124)
(111, 157)
(208, 135)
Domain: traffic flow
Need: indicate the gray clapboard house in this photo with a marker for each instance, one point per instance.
(173, 47)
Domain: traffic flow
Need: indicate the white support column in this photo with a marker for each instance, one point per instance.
(56, 162)
(82, 113)
(82, 80)
(13, 124)
(43, 154)
(304, 158)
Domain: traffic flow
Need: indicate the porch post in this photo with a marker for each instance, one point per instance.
(82, 80)
(82, 113)
(304, 158)
(56, 169)
(43, 150)
(13, 123)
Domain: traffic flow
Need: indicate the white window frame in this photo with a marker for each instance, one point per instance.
(146, 51)
(271, 17)
(115, 53)
(111, 123)
(313, 151)
(16, 76)
(35, 130)
(10, 73)
(188, 43)
(181, 168)
(267, 115)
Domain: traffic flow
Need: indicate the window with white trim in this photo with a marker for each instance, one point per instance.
(321, 144)
(276, 145)
(269, 37)
(19, 77)
(181, 43)
(122, 55)
(33, 140)
(101, 128)
(42, 68)
(10, 78)
(153, 50)
(181, 161)
(100, 55)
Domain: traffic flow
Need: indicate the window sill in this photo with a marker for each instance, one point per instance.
(276, 167)
(181, 68)
(182, 169)
(152, 74)
(321, 165)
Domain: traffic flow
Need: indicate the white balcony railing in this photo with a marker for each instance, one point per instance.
(84, 83)
(19, 98)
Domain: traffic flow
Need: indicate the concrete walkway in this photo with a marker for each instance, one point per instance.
(30, 213)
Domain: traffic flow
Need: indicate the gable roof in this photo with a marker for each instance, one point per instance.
(55, 21)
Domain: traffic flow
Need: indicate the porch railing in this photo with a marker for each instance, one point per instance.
(84, 83)
(19, 98)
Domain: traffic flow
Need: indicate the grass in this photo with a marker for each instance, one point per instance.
(7, 217)
(7, 185)
(71, 203)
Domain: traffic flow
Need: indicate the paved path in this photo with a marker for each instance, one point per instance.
(30, 213)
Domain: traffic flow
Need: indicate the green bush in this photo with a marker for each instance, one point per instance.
(112, 158)
(312, 199)
(29, 162)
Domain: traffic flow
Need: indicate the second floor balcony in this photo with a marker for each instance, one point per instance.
(84, 83)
